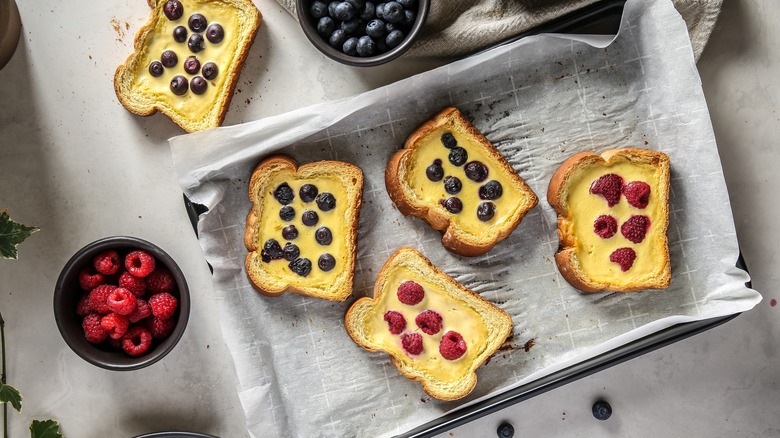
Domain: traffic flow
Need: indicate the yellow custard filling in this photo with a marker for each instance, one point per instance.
(271, 225)
(432, 193)
(456, 316)
(592, 250)
(222, 54)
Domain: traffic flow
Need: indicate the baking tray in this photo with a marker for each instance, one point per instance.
(601, 18)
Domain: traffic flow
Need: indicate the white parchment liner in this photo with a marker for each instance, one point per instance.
(538, 100)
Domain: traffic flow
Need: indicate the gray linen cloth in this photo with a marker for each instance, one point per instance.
(460, 27)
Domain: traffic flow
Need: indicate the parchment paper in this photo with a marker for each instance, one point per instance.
(538, 100)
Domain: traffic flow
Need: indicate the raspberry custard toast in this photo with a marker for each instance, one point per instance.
(301, 231)
(435, 330)
(452, 177)
(187, 59)
(613, 213)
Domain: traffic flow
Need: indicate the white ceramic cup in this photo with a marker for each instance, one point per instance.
(10, 29)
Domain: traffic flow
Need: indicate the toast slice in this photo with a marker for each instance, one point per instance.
(210, 40)
(449, 175)
(613, 213)
(301, 231)
(435, 330)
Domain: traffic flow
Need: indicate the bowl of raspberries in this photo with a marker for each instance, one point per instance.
(359, 32)
(121, 303)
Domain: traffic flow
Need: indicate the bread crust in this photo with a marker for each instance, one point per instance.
(557, 196)
(499, 324)
(351, 176)
(143, 105)
(454, 238)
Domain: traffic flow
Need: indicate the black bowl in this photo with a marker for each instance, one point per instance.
(309, 25)
(67, 293)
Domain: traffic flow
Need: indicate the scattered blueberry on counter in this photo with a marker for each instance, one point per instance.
(364, 28)
(505, 430)
(602, 410)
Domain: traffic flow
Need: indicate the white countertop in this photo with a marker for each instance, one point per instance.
(74, 162)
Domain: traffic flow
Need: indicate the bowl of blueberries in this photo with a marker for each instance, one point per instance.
(359, 32)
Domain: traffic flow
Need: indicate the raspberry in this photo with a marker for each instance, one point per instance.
(624, 257)
(90, 279)
(609, 186)
(412, 343)
(635, 228)
(395, 321)
(637, 193)
(139, 263)
(136, 341)
(452, 345)
(160, 280)
(160, 328)
(163, 305)
(605, 226)
(121, 301)
(142, 310)
(115, 324)
(83, 308)
(410, 293)
(107, 262)
(93, 331)
(429, 322)
(136, 285)
(98, 298)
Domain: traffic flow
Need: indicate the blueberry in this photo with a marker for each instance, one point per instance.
(156, 69)
(394, 38)
(180, 34)
(197, 22)
(350, 26)
(357, 4)
(448, 140)
(198, 85)
(393, 12)
(458, 156)
(453, 205)
(210, 70)
(301, 266)
(284, 193)
(308, 192)
(195, 43)
(380, 10)
(318, 9)
(326, 262)
(291, 252)
(192, 65)
(369, 12)
(337, 38)
(215, 33)
(326, 201)
(409, 17)
(366, 46)
(486, 211)
(452, 185)
(325, 27)
(179, 85)
(389, 27)
(323, 236)
(407, 4)
(434, 172)
(602, 410)
(505, 430)
(289, 232)
(491, 191)
(173, 9)
(375, 29)
(476, 171)
(169, 58)
(287, 213)
(310, 218)
(350, 46)
(273, 249)
(344, 11)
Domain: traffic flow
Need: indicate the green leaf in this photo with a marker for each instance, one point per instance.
(45, 429)
(12, 234)
(9, 394)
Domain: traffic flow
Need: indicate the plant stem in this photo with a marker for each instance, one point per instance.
(2, 374)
